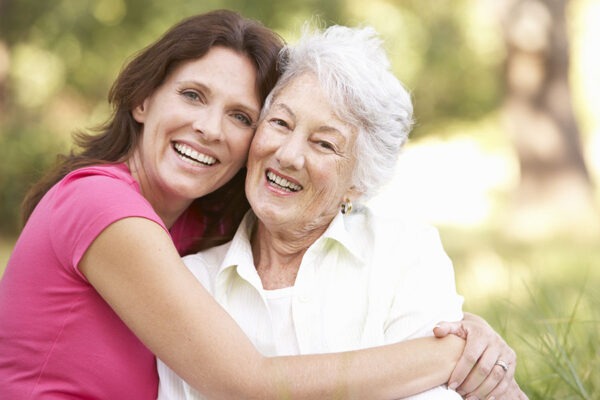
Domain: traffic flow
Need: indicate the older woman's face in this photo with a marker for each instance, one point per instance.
(300, 163)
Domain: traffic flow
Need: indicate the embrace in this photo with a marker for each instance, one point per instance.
(306, 295)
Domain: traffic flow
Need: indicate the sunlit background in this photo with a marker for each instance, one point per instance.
(504, 158)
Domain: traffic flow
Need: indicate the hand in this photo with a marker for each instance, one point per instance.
(478, 374)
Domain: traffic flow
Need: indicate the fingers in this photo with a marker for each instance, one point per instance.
(474, 349)
(511, 391)
(494, 380)
(442, 329)
(484, 376)
(497, 383)
(446, 328)
(477, 374)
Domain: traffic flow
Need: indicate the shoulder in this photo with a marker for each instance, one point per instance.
(409, 266)
(89, 199)
(114, 170)
(85, 202)
(101, 187)
(398, 245)
(383, 230)
(98, 177)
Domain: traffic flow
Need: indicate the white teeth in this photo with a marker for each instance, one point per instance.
(189, 154)
(284, 183)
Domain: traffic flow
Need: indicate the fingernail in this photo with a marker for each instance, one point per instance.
(472, 398)
(492, 398)
(453, 385)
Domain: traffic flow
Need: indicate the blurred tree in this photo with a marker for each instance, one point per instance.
(555, 189)
(58, 59)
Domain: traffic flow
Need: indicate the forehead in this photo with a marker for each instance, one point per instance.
(222, 68)
(305, 97)
(301, 87)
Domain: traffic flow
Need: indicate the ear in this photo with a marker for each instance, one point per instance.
(353, 193)
(140, 112)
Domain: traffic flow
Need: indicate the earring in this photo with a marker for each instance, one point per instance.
(346, 206)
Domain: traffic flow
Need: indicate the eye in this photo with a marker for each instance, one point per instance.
(243, 119)
(326, 145)
(192, 95)
(278, 122)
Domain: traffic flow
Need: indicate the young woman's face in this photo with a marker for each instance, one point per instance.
(300, 164)
(197, 127)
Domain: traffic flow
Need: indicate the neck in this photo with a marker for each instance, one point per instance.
(278, 254)
(167, 209)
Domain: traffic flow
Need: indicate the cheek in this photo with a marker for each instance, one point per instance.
(264, 139)
(331, 185)
(242, 146)
(253, 167)
(345, 171)
(326, 184)
(258, 149)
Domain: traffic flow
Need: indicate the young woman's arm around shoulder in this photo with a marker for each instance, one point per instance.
(137, 270)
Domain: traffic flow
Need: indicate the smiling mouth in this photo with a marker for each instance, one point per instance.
(191, 156)
(282, 183)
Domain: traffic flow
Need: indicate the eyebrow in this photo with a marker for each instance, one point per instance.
(285, 108)
(250, 110)
(329, 128)
(322, 128)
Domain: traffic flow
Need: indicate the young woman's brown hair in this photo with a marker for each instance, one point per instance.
(115, 140)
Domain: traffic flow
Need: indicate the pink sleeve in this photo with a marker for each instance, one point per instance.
(86, 205)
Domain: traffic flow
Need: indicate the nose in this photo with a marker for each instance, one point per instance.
(208, 123)
(290, 153)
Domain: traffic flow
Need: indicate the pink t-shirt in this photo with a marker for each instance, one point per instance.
(58, 338)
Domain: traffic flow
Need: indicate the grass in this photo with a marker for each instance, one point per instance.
(543, 298)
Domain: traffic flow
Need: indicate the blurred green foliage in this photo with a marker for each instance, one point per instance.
(61, 56)
(58, 59)
(542, 298)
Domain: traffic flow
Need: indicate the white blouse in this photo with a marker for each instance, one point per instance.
(367, 281)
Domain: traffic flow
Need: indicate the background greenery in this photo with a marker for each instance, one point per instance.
(531, 273)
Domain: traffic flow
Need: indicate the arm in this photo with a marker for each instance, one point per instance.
(135, 267)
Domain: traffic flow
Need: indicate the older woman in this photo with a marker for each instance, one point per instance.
(306, 271)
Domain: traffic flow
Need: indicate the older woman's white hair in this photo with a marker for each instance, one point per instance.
(354, 72)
